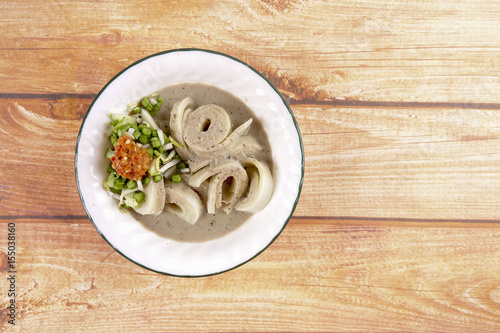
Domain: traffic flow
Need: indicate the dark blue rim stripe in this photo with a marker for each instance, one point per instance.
(268, 82)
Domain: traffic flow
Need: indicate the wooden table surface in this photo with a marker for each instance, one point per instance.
(396, 228)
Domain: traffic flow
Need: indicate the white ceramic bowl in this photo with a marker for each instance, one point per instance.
(129, 237)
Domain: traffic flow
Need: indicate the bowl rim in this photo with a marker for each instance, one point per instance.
(302, 166)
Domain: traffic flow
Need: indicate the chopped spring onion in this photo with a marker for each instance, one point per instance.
(145, 102)
(155, 143)
(157, 178)
(146, 131)
(114, 139)
(137, 109)
(175, 143)
(181, 165)
(139, 196)
(185, 170)
(139, 185)
(169, 165)
(112, 189)
(131, 130)
(119, 183)
(160, 155)
(176, 178)
(149, 150)
(152, 101)
(145, 181)
(131, 184)
(143, 139)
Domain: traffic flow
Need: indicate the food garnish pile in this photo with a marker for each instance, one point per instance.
(141, 153)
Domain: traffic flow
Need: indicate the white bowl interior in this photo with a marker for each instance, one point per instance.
(128, 236)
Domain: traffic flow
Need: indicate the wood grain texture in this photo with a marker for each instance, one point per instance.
(383, 163)
(311, 49)
(37, 169)
(317, 276)
(413, 163)
(396, 229)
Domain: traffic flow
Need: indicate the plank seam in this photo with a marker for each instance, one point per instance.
(43, 217)
(319, 218)
(48, 96)
(293, 102)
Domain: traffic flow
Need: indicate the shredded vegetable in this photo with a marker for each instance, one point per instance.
(136, 142)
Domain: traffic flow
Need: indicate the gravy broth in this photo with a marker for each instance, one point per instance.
(209, 226)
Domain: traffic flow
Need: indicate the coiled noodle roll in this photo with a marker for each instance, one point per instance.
(154, 199)
(228, 182)
(207, 130)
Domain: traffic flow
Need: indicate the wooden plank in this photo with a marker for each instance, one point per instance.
(317, 276)
(38, 150)
(412, 163)
(312, 50)
(360, 162)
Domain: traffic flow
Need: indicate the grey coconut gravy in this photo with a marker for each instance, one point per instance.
(209, 226)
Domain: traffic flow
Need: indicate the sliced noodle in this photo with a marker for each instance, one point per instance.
(218, 196)
(179, 111)
(183, 201)
(154, 199)
(260, 189)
